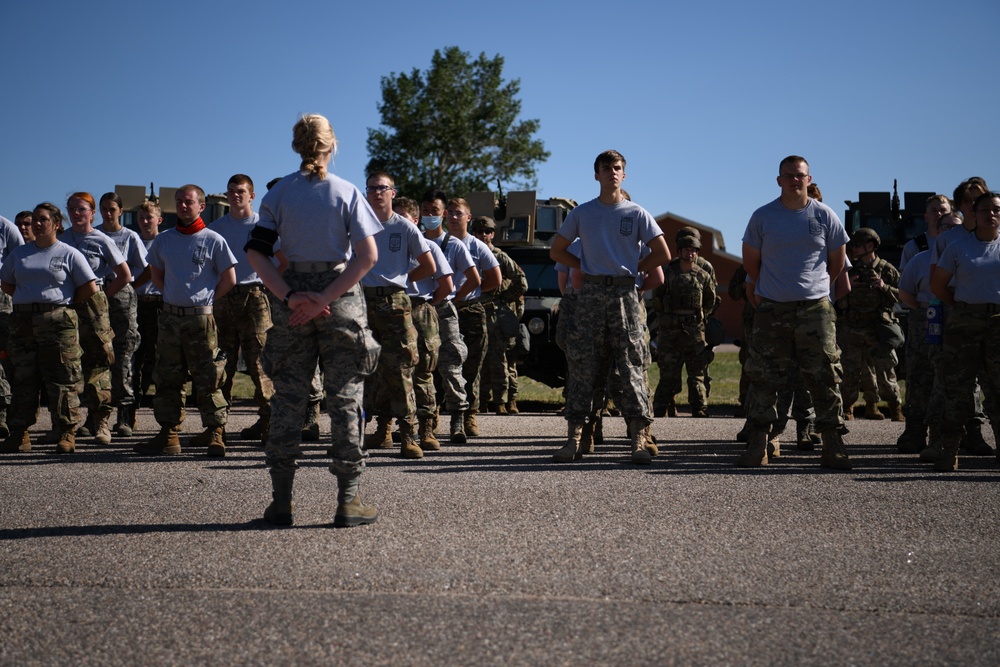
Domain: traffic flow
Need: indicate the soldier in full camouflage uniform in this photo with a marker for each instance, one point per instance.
(503, 308)
(319, 314)
(971, 343)
(793, 250)
(606, 324)
(10, 238)
(389, 391)
(683, 303)
(865, 311)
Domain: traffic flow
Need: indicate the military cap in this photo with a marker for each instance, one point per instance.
(866, 234)
(688, 241)
(483, 222)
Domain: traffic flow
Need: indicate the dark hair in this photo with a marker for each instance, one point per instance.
(381, 174)
(989, 196)
(113, 196)
(20, 216)
(608, 157)
(54, 213)
(792, 159)
(433, 195)
(968, 184)
(270, 183)
(240, 179)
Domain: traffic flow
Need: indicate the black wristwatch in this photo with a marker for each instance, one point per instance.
(288, 296)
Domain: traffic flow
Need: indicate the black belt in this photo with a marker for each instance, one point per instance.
(807, 302)
(150, 298)
(467, 304)
(37, 307)
(187, 310)
(983, 308)
(383, 291)
(248, 288)
(416, 300)
(609, 280)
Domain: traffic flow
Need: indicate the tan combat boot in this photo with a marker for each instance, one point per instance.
(382, 437)
(351, 511)
(428, 441)
(571, 450)
(651, 442)
(872, 411)
(512, 407)
(638, 439)
(217, 443)
(948, 461)
(755, 455)
(458, 429)
(125, 421)
(281, 510)
(500, 408)
(17, 441)
(167, 441)
(774, 447)
(103, 434)
(587, 438)
(470, 425)
(896, 413)
(408, 449)
(67, 443)
(834, 456)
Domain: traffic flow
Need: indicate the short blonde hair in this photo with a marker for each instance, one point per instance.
(313, 137)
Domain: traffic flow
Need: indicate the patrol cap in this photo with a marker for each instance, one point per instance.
(688, 241)
(866, 234)
(483, 222)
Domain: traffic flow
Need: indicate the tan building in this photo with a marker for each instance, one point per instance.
(713, 248)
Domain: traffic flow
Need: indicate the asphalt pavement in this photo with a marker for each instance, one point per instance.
(491, 553)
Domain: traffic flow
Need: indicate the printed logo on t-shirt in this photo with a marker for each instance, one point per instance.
(626, 225)
(815, 227)
(56, 265)
(200, 254)
(395, 241)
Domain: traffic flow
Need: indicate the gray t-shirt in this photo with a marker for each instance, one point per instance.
(458, 257)
(10, 237)
(915, 279)
(425, 288)
(943, 240)
(131, 247)
(147, 288)
(398, 244)
(192, 264)
(482, 257)
(46, 275)
(237, 233)
(100, 251)
(794, 247)
(976, 267)
(317, 220)
(611, 236)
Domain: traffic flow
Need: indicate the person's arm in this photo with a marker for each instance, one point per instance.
(653, 279)
(939, 286)
(85, 291)
(842, 285)
(8, 288)
(156, 275)
(559, 253)
(122, 278)
(562, 277)
(282, 260)
(470, 284)
(425, 267)
(491, 279)
(143, 277)
(909, 300)
(227, 279)
(836, 260)
(752, 264)
(659, 254)
(444, 288)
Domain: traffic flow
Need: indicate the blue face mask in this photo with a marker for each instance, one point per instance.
(431, 221)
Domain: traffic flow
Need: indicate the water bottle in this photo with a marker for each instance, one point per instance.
(935, 322)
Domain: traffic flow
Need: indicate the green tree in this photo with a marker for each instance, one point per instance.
(454, 127)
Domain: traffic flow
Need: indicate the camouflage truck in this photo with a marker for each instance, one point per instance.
(525, 227)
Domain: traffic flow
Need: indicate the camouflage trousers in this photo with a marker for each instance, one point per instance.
(970, 349)
(494, 378)
(425, 321)
(793, 401)
(451, 358)
(787, 336)
(567, 310)
(607, 328)
(96, 338)
(123, 317)
(389, 390)
(347, 353)
(680, 342)
(472, 324)
(615, 382)
(923, 405)
(243, 317)
(46, 353)
(188, 344)
(744, 356)
(147, 317)
(859, 352)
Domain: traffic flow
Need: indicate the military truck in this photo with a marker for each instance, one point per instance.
(525, 227)
(133, 196)
(895, 226)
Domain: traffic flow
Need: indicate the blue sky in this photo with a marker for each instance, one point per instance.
(703, 99)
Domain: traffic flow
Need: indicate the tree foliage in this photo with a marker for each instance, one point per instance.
(454, 127)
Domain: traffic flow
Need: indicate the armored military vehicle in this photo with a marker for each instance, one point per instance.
(895, 226)
(525, 227)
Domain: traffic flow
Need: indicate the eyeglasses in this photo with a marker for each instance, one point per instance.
(372, 189)
(81, 209)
